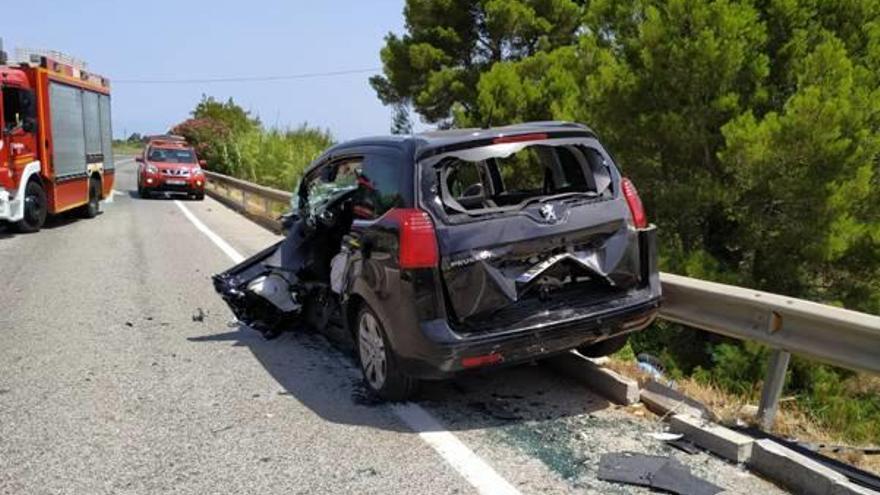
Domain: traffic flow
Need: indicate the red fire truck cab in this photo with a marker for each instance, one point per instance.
(55, 148)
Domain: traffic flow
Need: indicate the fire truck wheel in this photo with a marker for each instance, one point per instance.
(92, 207)
(35, 208)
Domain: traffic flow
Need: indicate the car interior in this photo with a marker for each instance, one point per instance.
(534, 171)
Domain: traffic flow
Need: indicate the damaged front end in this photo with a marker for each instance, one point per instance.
(261, 292)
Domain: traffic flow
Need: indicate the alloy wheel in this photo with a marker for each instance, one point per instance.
(374, 361)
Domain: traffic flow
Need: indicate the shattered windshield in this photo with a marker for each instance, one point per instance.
(332, 182)
(514, 178)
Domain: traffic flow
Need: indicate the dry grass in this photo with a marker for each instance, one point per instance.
(791, 421)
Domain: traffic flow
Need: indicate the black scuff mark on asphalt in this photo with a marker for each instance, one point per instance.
(497, 410)
(199, 315)
(362, 396)
(129, 324)
(368, 471)
(4, 391)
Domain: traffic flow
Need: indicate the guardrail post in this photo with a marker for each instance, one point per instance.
(772, 390)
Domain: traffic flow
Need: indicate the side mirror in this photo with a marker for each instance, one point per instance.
(29, 125)
(139, 159)
(203, 163)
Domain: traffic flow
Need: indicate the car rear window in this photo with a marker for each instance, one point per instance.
(508, 179)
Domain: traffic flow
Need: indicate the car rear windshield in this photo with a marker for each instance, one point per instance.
(513, 176)
(169, 155)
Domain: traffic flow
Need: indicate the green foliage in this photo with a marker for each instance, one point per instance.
(229, 114)
(449, 43)
(235, 144)
(752, 128)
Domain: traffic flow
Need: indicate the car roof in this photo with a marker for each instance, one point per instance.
(433, 142)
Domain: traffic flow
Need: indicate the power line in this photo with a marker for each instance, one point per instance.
(308, 75)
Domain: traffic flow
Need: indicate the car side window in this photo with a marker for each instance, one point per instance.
(378, 187)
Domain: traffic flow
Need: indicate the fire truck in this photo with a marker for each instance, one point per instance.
(55, 148)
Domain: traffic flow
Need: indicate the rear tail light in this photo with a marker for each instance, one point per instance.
(639, 219)
(418, 241)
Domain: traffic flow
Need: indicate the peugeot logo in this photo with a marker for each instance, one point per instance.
(549, 213)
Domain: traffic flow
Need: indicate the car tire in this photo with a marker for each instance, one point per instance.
(35, 209)
(378, 363)
(93, 207)
(198, 196)
(605, 347)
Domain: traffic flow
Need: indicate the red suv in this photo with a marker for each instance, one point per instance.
(170, 165)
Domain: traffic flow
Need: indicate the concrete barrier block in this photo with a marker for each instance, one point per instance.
(717, 439)
(616, 388)
(662, 405)
(792, 470)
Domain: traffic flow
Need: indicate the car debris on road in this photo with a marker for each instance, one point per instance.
(662, 473)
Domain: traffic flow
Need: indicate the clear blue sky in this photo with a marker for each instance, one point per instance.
(160, 39)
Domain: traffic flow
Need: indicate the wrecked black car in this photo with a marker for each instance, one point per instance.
(453, 250)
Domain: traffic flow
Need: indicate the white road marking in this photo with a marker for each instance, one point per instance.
(224, 246)
(469, 465)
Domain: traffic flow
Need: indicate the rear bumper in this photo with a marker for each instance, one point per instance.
(441, 353)
(435, 349)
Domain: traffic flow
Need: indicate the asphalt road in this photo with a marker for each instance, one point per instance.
(109, 384)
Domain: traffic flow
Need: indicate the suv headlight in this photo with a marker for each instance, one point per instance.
(196, 170)
(152, 169)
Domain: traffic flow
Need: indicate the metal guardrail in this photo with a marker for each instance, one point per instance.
(832, 335)
(787, 325)
(262, 204)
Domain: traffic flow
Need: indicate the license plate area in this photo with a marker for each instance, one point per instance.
(175, 182)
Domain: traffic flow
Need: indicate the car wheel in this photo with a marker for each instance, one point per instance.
(377, 360)
(92, 208)
(35, 208)
(605, 347)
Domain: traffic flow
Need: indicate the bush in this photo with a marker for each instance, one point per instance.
(234, 143)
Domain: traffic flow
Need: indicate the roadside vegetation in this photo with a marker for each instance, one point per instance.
(237, 144)
(128, 147)
(752, 129)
